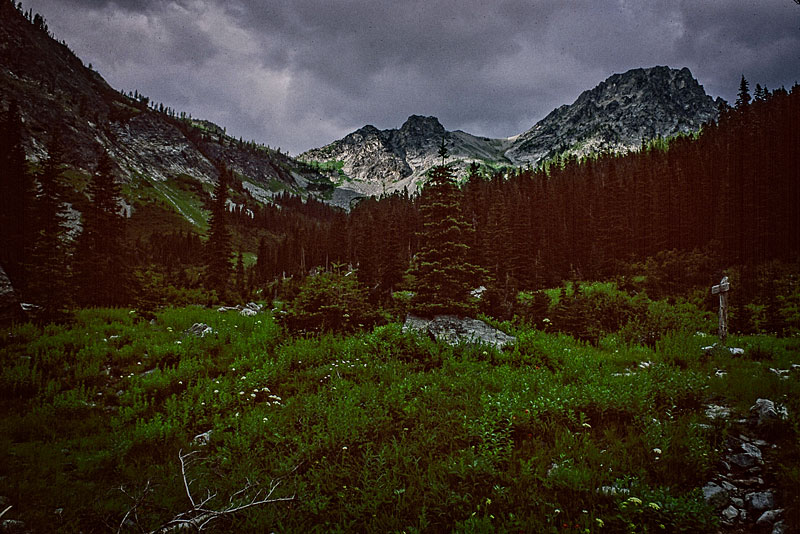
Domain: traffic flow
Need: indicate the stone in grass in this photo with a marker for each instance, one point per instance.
(199, 330)
(453, 330)
(715, 495)
(765, 411)
(730, 513)
(759, 501)
(769, 517)
(749, 458)
(779, 528)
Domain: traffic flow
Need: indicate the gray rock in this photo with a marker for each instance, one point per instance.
(737, 502)
(736, 351)
(453, 330)
(765, 411)
(715, 495)
(730, 513)
(779, 528)
(254, 306)
(199, 330)
(751, 456)
(727, 486)
(769, 517)
(759, 501)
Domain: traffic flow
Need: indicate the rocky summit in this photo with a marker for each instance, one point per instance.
(617, 115)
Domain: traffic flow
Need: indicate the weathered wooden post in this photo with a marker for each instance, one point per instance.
(722, 290)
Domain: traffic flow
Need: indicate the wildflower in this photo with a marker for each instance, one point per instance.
(656, 451)
(253, 395)
(216, 391)
(265, 419)
(236, 414)
(241, 393)
(344, 449)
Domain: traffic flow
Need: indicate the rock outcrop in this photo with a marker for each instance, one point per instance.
(453, 330)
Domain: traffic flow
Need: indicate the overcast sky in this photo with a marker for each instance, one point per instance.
(298, 74)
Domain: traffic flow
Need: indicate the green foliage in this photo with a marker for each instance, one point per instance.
(330, 302)
(443, 278)
(380, 430)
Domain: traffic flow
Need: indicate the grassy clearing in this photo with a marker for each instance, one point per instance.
(381, 431)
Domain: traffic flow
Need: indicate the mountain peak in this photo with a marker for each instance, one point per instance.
(425, 126)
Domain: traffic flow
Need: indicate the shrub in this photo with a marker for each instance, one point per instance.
(330, 302)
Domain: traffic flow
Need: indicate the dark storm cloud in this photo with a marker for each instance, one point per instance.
(300, 73)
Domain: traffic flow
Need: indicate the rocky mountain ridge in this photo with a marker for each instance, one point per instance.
(57, 95)
(617, 115)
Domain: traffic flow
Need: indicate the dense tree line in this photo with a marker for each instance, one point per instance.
(726, 196)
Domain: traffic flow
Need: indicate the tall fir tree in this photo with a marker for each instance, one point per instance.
(219, 248)
(16, 198)
(443, 278)
(49, 262)
(100, 266)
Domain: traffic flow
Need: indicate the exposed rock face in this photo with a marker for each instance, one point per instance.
(57, 93)
(377, 161)
(454, 330)
(616, 115)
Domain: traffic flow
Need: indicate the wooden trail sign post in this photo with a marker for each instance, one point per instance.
(722, 290)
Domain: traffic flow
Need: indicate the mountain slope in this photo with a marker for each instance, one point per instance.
(617, 115)
(59, 96)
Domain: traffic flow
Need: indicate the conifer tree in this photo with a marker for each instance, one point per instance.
(100, 270)
(48, 266)
(743, 97)
(219, 248)
(443, 278)
(16, 198)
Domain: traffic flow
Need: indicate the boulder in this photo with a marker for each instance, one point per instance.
(751, 456)
(715, 495)
(199, 330)
(730, 513)
(453, 330)
(765, 411)
(759, 501)
(769, 517)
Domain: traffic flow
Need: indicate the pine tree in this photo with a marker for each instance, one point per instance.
(100, 266)
(48, 268)
(219, 248)
(443, 278)
(16, 198)
(743, 97)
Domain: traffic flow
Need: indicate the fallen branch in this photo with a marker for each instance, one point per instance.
(199, 515)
